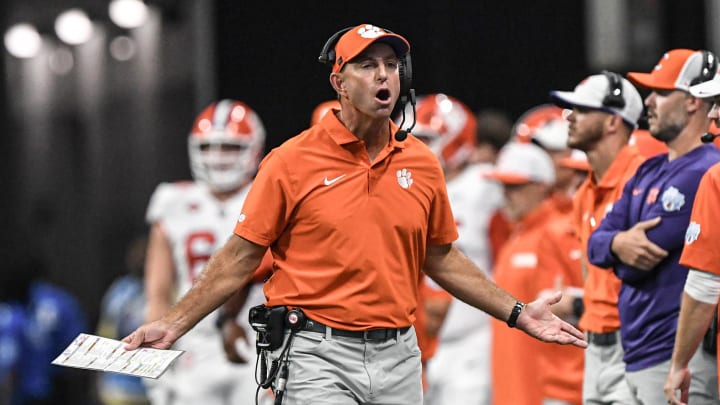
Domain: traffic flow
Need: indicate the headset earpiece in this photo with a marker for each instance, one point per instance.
(614, 97)
(708, 70)
(405, 71)
(327, 54)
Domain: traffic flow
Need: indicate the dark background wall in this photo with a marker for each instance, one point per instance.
(502, 54)
(81, 160)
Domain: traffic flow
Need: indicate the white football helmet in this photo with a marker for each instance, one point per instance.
(322, 109)
(544, 124)
(447, 126)
(225, 145)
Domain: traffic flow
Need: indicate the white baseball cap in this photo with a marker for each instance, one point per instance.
(523, 162)
(593, 92)
(708, 89)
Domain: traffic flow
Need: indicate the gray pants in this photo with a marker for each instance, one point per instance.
(604, 382)
(647, 385)
(331, 370)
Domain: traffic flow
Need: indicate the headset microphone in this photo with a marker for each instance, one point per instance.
(708, 137)
(401, 134)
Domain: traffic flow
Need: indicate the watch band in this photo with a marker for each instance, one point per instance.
(578, 306)
(512, 320)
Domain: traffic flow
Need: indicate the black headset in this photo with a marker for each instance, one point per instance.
(709, 68)
(407, 93)
(707, 72)
(614, 96)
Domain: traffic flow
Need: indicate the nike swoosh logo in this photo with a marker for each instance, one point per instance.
(329, 182)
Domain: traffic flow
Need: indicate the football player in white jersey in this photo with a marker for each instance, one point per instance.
(189, 221)
(459, 371)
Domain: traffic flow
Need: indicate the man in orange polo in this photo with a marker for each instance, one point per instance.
(559, 262)
(701, 255)
(601, 128)
(527, 174)
(352, 209)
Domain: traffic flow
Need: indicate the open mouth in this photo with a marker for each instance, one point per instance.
(383, 95)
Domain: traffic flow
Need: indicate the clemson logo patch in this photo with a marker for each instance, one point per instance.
(692, 233)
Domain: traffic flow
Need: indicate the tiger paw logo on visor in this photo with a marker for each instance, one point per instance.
(370, 31)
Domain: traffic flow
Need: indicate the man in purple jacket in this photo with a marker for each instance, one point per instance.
(642, 237)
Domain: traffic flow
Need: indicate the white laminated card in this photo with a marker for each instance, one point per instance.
(103, 354)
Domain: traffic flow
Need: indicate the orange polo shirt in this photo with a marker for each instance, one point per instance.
(514, 364)
(561, 366)
(561, 202)
(702, 250)
(348, 236)
(592, 202)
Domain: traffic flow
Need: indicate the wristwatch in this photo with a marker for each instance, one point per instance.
(512, 320)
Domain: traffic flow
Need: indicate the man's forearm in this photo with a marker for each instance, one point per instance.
(457, 274)
(695, 317)
(227, 272)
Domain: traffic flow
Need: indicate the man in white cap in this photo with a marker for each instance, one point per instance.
(352, 210)
(605, 110)
(527, 175)
(641, 237)
(702, 257)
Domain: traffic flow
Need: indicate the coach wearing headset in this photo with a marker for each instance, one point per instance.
(641, 238)
(605, 110)
(352, 210)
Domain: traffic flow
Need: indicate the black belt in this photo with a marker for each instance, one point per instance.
(602, 339)
(373, 334)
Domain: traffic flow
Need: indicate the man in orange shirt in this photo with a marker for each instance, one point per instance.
(559, 268)
(605, 110)
(527, 175)
(539, 125)
(352, 209)
(559, 264)
(433, 302)
(702, 257)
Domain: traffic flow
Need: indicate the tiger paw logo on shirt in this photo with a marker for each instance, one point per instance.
(672, 199)
(404, 178)
(692, 233)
